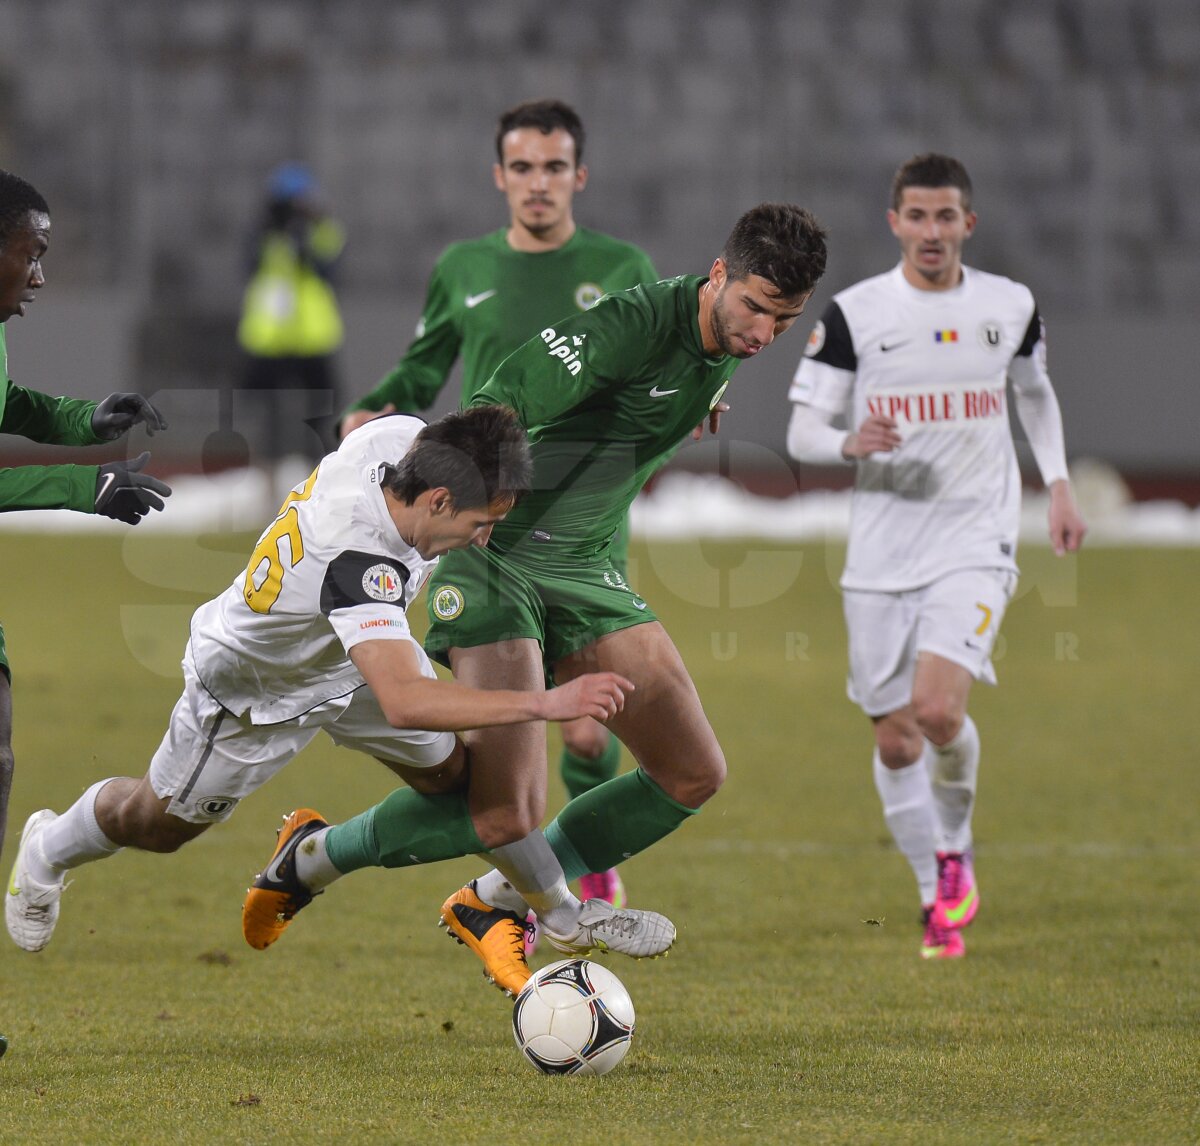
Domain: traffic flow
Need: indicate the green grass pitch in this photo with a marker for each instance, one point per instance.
(794, 1008)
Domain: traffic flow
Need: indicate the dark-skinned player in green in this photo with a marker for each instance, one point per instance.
(114, 489)
(489, 295)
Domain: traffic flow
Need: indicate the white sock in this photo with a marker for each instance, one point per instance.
(314, 868)
(528, 872)
(909, 813)
(496, 891)
(72, 839)
(954, 772)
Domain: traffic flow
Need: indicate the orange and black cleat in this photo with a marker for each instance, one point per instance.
(495, 935)
(277, 894)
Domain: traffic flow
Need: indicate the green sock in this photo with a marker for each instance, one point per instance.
(583, 773)
(607, 825)
(406, 828)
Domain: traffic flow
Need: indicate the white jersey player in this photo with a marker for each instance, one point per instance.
(917, 362)
(313, 637)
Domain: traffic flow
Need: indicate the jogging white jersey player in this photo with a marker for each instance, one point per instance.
(330, 572)
(948, 498)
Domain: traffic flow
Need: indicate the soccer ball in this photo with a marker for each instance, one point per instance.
(573, 1017)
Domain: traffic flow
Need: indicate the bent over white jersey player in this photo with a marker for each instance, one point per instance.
(313, 636)
(917, 362)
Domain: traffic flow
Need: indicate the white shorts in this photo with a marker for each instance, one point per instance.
(956, 617)
(210, 759)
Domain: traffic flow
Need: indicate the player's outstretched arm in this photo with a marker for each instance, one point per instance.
(1067, 527)
(410, 699)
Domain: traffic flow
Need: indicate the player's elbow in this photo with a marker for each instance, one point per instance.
(406, 716)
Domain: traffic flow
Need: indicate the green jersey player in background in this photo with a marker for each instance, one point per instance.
(489, 295)
(115, 489)
(606, 397)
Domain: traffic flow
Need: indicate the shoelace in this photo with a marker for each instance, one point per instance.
(518, 939)
(620, 922)
(951, 877)
(935, 936)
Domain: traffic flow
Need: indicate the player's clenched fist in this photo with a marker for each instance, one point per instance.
(598, 695)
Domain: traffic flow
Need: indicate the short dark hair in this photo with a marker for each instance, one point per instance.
(780, 242)
(481, 455)
(931, 170)
(17, 199)
(546, 115)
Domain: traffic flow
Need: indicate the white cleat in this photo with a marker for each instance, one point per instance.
(602, 927)
(31, 908)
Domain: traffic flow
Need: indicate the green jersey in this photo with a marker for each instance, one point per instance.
(55, 421)
(485, 299)
(606, 398)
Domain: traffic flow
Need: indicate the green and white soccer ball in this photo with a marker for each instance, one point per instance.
(573, 1017)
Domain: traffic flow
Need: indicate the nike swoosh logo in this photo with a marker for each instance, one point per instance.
(473, 300)
(272, 872)
(886, 346)
(13, 889)
(955, 914)
(109, 478)
(655, 392)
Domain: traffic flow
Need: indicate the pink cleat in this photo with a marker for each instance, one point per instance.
(940, 942)
(957, 893)
(605, 885)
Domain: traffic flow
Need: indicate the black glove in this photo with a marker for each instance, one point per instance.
(118, 412)
(127, 495)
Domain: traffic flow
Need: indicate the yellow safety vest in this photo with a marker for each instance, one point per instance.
(288, 308)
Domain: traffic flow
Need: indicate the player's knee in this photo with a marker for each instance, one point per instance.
(700, 784)
(898, 747)
(939, 718)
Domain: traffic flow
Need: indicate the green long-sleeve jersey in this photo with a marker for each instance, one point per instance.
(606, 397)
(55, 421)
(485, 299)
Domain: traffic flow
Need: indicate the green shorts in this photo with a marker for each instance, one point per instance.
(478, 597)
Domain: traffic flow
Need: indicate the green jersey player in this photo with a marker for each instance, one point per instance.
(489, 295)
(606, 396)
(116, 489)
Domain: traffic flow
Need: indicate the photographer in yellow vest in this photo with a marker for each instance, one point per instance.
(291, 327)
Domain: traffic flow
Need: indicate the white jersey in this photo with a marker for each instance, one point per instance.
(949, 496)
(329, 572)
